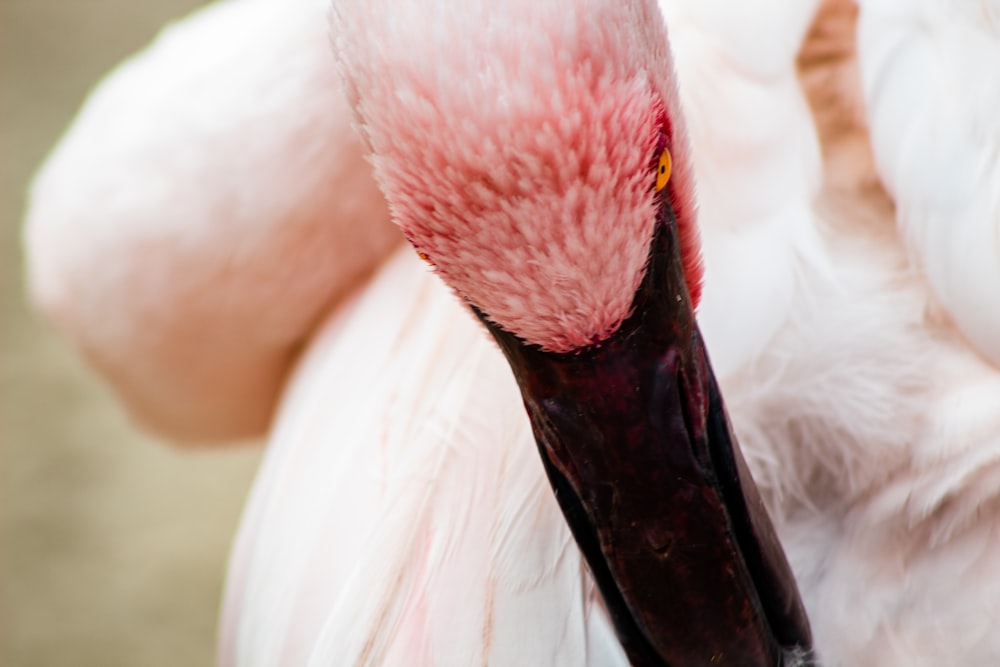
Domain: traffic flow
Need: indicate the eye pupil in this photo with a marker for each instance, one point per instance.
(663, 170)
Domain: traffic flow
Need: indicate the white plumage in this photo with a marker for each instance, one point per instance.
(407, 521)
(400, 516)
(932, 88)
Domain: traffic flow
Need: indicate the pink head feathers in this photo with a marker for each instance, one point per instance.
(517, 145)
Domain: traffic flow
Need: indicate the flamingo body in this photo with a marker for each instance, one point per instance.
(410, 522)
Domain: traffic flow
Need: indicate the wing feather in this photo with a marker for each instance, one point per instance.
(207, 206)
(402, 516)
(931, 74)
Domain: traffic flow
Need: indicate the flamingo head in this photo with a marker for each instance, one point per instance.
(534, 153)
(519, 158)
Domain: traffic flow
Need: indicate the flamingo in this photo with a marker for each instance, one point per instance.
(405, 518)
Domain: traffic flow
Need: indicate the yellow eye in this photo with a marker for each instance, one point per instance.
(663, 170)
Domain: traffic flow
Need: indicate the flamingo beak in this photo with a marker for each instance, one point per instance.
(638, 448)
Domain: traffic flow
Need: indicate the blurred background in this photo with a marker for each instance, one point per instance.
(112, 545)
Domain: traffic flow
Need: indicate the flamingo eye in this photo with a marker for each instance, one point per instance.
(663, 170)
